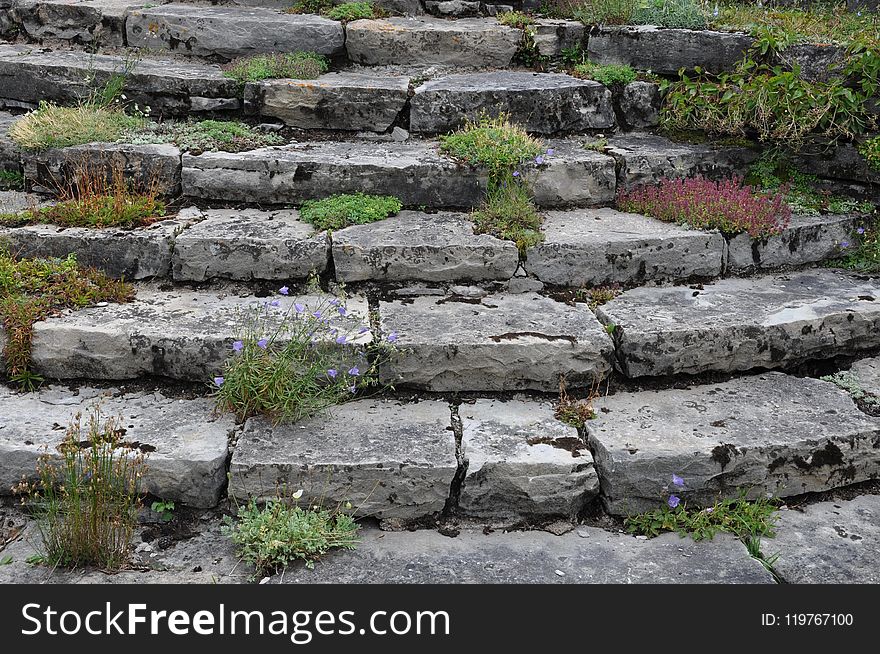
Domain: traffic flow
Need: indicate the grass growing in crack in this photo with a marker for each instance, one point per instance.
(339, 211)
(197, 136)
(851, 384)
(611, 75)
(273, 536)
(53, 126)
(86, 501)
(11, 180)
(516, 19)
(572, 412)
(739, 517)
(598, 295)
(349, 11)
(94, 200)
(290, 65)
(292, 363)
(34, 289)
(510, 213)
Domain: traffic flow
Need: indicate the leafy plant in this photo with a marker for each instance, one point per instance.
(272, 537)
(309, 6)
(349, 11)
(682, 14)
(33, 289)
(199, 136)
(516, 19)
(599, 295)
(52, 126)
(863, 253)
(165, 509)
(606, 12)
(870, 150)
(612, 75)
(851, 384)
(293, 65)
(726, 205)
(292, 363)
(572, 412)
(11, 180)
(86, 503)
(339, 211)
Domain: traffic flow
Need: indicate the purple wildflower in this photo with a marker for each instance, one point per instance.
(284, 290)
(219, 381)
(354, 372)
(392, 337)
(673, 501)
(363, 330)
(331, 373)
(678, 481)
(317, 315)
(539, 160)
(262, 343)
(299, 307)
(353, 388)
(342, 311)
(844, 244)
(861, 230)
(340, 340)
(237, 346)
(551, 152)
(275, 303)
(516, 173)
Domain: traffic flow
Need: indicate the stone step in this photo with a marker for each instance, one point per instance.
(230, 32)
(167, 87)
(185, 442)
(179, 334)
(543, 103)
(494, 343)
(769, 435)
(740, 324)
(465, 43)
(414, 171)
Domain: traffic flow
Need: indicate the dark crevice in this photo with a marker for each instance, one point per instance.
(451, 507)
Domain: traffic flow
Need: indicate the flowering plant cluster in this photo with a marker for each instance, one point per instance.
(726, 205)
(862, 252)
(292, 358)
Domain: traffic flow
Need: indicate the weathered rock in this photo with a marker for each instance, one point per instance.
(499, 342)
(843, 162)
(390, 460)
(154, 167)
(77, 21)
(522, 462)
(552, 36)
(545, 103)
(177, 334)
(768, 435)
(10, 153)
(131, 254)
(185, 441)
(665, 51)
(835, 542)
(740, 324)
(646, 159)
(344, 101)
(468, 43)
(418, 246)
(807, 239)
(589, 555)
(867, 372)
(413, 171)
(640, 105)
(603, 246)
(453, 8)
(167, 87)
(15, 201)
(248, 244)
(8, 25)
(231, 32)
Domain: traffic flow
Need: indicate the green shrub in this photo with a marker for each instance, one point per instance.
(11, 180)
(862, 252)
(351, 11)
(309, 6)
(509, 213)
(516, 19)
(292, 65)
(271, 537)
(682, 14)
(52, 126)
(33, 289)
(606, 12)
(206, 136)
(339, 211)
(612, 75)
(846, 380)
(86, 503)
(290, 361)
(870, 150)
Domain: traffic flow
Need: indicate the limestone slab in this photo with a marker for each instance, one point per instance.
(867, 372)
(522, 462)
(389, 460)
(603, 246)
(772, 434)
(740, 324)
(81, 22)
(494, 343)
(419, 246)
(184, 441)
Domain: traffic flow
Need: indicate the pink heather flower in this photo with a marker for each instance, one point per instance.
(262, 343)
(284, 290)
(237, 346)
(673, 501)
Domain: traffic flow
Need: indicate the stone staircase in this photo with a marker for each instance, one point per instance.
(682, 356)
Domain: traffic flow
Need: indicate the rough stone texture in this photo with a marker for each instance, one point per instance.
(640, 105)
(603, 246)
(645, 159)
(167, 87)
(15, 201)
(418, 246)
(248, 244)
(552, 36)
(453, 8)
(739, 324)
(178, 334)
(184, 440)
(77, 21)
(585, 556)
(544, 103)
(345, 101)
(146, 166)
(665, 51)
(390, 460)
(843, 163)
(499, 342)
(468, 43)
(863, 5)
(132, 254)
(521, 461)
(771, 434)
(835, 542)
(867, 372)
(231, 32)
(414, 171)
(8, 26)
(10, 154)
(807, 239)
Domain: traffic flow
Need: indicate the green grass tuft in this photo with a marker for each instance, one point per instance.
(340, 211)
(295, 65)
(52, 126)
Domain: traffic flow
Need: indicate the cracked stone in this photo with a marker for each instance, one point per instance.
(82, 22)
(867, 372)
(640, 104)
(773, 434)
